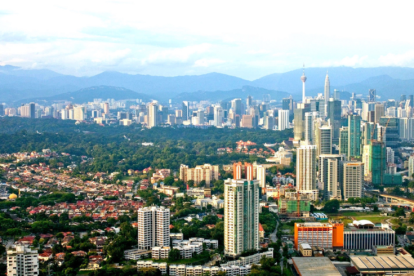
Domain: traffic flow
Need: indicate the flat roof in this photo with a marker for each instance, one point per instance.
(320, 266)
(383, 263)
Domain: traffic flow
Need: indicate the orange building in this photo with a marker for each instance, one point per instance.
(325, 235)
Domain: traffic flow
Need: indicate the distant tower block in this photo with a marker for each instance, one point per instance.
(303, 78)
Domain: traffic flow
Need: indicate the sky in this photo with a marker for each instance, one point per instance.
(247, 39)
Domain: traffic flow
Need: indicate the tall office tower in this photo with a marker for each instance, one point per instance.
(163, 113)
(249, 101)
(198, 117)
(153, 227)
(32, 110)
(401, 112)
(309, 127)
(218, 115)
(261, 175)
(254, 112)
(406, 126)
(337, 95)
(391, 131)
(379, 111)
(391, 111)
(186, 110)
(152, 114)
(324, 145)
(327, 93)
(366, 108)
(372, 93)
(377, 162)
(171, 119)
(354, 135)
(106, 108)
(179, 113)
(236, 105)
(334, 116)
(390, 155)
(22, 261)
(1, 109)
(343, 140)
(411, 98)
(95, 114)
(353, 179)
(306, 168)
(287, 104)
(241, 216)
(370, 131)
(299, 125)
(329, 175)
(79, 113)
(403, 98)
(303, 79)
(283, 119)
(268, 121)
(391, 103)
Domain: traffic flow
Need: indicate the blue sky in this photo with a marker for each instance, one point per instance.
(248, 39)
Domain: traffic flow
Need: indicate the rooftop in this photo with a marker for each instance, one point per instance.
(320, 266)
(383, 263)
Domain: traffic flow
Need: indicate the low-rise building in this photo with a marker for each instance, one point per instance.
(305, 249)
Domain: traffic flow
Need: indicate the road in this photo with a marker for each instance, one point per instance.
(273, 236)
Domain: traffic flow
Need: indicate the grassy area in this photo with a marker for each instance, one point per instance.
(347, 217)
(287, 227)
(84, 272)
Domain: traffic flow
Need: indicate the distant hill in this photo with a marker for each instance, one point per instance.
(219, 95)
(90, 93)
(17, 84)
(338, 76)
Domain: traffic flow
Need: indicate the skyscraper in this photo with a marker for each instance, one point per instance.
(327, 93)
(377, 162)
(379, 112)
(343, 140)
(310, 118)
(303, 78)
(241, 213)
(218, 116)
(353, 179)
(354, 135)
(186, 110)
(329, 175)
(106, 108)
(153, 227)
(306, 168)
(325, 140)
(153, 114)
(32, 108)
(392, 132)
(334, 116)
(236, 105)
(372, 94)
(283, 119)
(249, 101)
(299, 126)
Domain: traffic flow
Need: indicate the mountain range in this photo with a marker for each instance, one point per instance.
(18, 84)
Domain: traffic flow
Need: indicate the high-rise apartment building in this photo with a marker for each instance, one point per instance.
(247, 121)
(283, 119)
(411, 166)
(218, 116)
(324, 145)
(330, 175)
(241, 216)
(205, 172)
(354, 135)
(185, 110)
(406, 126)
(153, 114)
(306, 168)
(327, 93)
(236, 105)
(79, 113)
(309, 122)
(106, 108)
(22, 261)
(153, 227)
(353, 179)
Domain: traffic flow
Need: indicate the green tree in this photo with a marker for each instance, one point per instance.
(174, 255)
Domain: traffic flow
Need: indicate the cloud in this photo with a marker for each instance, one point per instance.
(352, 61)
(176, 55)
(405, 59)
(207, 62)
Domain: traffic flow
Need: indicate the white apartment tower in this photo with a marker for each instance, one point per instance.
(283, 119)
(327, 93)
(22, 261)
(218, 115)
(153, 227)
(152, 114)
(353, 179)
(306, 168)
(241, 216)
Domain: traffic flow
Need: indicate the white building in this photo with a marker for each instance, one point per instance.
(353, 179)
(241, 216)
(411, 166)
(22, 261)
(261, 175)
(324, 145)
(153, 227)
(390, 156)
(283, 119)
(153, 114)
(329, 174)
(306, 168)
(218, 115)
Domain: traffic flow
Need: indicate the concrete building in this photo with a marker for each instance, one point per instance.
(153, 115)
(306, 168)
(324, 145)
(363, 235)
(205, 172)
(218, 116)
(353, 179)
(330, 175)
(327, 93)
(153, 227)
(325, 235)
(22, 261)
(283, 119)
(241, 216)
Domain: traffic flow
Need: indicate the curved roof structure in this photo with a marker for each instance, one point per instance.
(362, 223)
